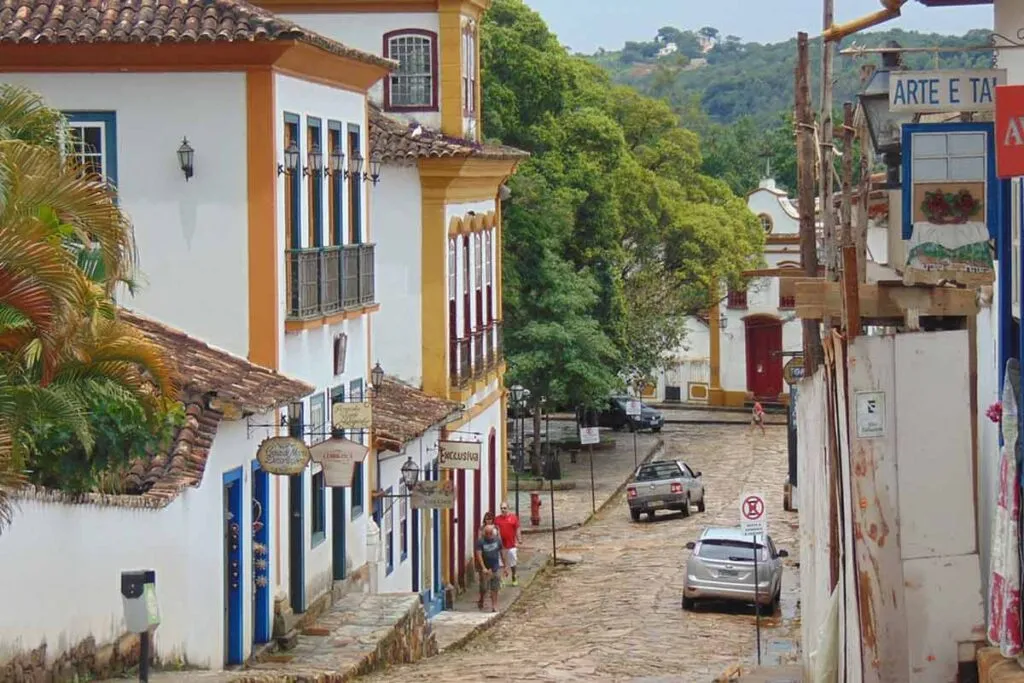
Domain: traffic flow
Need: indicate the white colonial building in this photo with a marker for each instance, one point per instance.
(736, 353)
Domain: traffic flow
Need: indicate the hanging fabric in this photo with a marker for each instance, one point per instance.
(1004, 621)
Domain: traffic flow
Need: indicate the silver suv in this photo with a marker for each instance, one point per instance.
(721, 567)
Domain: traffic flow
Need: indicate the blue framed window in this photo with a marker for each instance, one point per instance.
(336, 204)
(337, 396)
(950, 153)
(389, 535)
(357, 489)
(403, 522)
(94, 142)
(293, 185)
(355, 189)
(318, 503)
(355, 394)
(314, 141)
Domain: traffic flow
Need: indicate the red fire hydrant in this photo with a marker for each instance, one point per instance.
(535, 509)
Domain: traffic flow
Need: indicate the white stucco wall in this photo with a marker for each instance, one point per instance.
(399, 579)
(191, 236)
(1008, 19)
(67, 588)
(365, 31)
(989, 378)
(397, 230)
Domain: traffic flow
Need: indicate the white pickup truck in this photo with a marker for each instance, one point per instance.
(664, 485)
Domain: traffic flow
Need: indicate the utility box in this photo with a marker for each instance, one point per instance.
(138, 593)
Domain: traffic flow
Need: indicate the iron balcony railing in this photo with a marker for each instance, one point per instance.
(461, 364)
(479, 353)
(325, 280)
(497, 351)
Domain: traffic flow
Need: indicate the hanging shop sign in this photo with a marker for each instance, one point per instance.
(338, 457)
(283, 455)
(941, 91)
(352, 415)
(458, 455)
(1010, 131)
(433, 495)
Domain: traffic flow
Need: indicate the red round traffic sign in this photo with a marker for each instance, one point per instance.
(753, 508)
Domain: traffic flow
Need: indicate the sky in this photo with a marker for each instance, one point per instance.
(585, 25)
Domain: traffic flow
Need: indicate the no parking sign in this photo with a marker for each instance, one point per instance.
(753, 515)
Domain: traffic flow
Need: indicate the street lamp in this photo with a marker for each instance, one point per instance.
(410, 473)
(885, 125)
(518, 394)
(186, 158)
(377, 378)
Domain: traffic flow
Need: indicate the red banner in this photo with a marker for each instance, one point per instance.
(1010, 131)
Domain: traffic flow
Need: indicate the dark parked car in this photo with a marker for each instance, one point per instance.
(615, 416)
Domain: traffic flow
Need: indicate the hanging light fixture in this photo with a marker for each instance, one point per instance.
(884, 125)
(355, 165)
(186, 158)
(291, 159)
(410, 473)
(314, 162)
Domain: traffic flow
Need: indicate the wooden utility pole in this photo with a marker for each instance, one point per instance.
(860, 228)
(806, 156)
(851, 283)
(826, 186)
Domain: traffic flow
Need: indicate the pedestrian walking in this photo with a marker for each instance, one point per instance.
(488, 521)
(511, 537)
(757, 419)
(490, 555)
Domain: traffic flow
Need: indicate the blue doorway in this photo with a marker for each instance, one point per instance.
(233, 569)
(260, 554)
(338, 524)
(296, 546)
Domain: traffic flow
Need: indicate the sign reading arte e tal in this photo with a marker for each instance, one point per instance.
(352, 415)
(283, 455)
(433, 495)
(458, 455)
(338, 457)
(939, 91)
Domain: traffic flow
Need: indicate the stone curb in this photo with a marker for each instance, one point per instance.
(658, 445)
(544, 568)
(480, 628)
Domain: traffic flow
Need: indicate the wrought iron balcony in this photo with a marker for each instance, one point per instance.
(460, 367)
(480, 340)
(497, 351)
(325, 280)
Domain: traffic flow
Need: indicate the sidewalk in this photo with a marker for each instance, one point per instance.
(612, 467)
(360, 633)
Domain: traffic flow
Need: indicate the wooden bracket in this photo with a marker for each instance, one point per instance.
(816, 299)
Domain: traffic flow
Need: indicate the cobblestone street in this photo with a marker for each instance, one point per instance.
(616, 615)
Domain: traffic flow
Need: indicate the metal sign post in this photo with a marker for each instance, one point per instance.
(588, 437)
(554, 542)
(634, 410)
(754, 522)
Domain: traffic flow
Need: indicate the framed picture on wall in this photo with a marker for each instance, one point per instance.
(340, 351)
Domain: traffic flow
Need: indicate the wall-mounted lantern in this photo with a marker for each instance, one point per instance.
(291, 159)
(376, 378)
(374, 176)
(885, 125)
(314, 162)
(355, 166)
(186, 159)
(723, 321)
(336, 162)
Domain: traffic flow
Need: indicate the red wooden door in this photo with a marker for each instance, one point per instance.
(764, 357)
(492, 472)
(478, 503)
(460, 491)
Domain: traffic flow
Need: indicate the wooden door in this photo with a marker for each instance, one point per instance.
(764, 357)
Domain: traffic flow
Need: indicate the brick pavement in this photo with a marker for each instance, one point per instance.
(573, 507)
(616, 615)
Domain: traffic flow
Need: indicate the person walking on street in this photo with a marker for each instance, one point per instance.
(488, 521)
(511, 537)
(490, 555)
(758, 417)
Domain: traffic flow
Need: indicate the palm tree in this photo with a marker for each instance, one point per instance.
(65, 245)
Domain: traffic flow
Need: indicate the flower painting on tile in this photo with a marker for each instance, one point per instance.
(950, 239)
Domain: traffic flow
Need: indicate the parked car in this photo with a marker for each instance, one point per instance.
(664, 485)
(721, 567)
(615, 416)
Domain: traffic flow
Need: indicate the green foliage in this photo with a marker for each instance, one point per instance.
(612, 235)
(120, 430)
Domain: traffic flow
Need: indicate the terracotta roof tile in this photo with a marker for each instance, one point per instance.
(395, 141)
(402, 412)
(157, 21)
(203, 369)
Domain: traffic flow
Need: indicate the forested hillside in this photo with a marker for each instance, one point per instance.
(738, 96)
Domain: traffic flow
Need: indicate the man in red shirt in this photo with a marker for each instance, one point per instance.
(511, 536)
